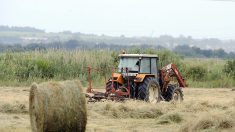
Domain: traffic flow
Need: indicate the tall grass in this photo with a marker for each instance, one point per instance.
(210, 73)
(23, 68)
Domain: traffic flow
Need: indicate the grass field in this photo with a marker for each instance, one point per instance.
(202, 110)
(23, 68)
(209, 106)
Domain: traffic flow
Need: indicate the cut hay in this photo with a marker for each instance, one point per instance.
(209, 122)
(124, 110)
(13, 108)
(170, 118)
(57, 106)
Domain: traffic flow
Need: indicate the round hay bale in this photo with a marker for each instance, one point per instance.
(57, 107)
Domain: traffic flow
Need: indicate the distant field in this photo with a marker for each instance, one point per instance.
(202, 110)
(55, 37)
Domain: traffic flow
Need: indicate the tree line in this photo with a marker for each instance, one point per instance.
(26, 35)
(194, 51)
(20, 29)
(183, 50)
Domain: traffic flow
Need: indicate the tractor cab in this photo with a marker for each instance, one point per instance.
(133, 64)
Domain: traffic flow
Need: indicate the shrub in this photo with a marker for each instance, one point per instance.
(229, 68)
(196, 73)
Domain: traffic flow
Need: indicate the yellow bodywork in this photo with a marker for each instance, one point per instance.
(117, 77)
(141, 77)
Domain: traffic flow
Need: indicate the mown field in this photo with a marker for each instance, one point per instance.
(209, 110)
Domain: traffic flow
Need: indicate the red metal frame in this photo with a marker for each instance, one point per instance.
(113, 89)
(117, 93)
(89, 89)
(169, 71)
(179, 77)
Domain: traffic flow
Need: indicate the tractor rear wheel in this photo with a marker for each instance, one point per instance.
(149, 90)
(174, 93)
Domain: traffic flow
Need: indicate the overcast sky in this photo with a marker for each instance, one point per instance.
(198, 18)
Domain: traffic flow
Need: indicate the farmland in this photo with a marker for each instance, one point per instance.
(202, 109)
(209, 102)
(117, 66)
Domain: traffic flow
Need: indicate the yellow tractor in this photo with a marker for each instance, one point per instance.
(138, 77)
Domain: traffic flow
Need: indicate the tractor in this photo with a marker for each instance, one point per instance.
(138, 77)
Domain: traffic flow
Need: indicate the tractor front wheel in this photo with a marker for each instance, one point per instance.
(109, 86)
(174, 93)
(149, 90)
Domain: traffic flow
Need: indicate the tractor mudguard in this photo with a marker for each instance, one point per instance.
(140, 77)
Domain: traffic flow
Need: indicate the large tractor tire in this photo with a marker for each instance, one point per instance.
(109, 86)
(149, 90)
(174, 93)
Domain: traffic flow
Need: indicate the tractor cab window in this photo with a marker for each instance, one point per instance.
(131, 63)
(153, 66)
(145, 65)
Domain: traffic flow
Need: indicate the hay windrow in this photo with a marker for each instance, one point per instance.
(142, 110)
(209, 122)
(57, 106)
(170, 118)
(13, 108)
